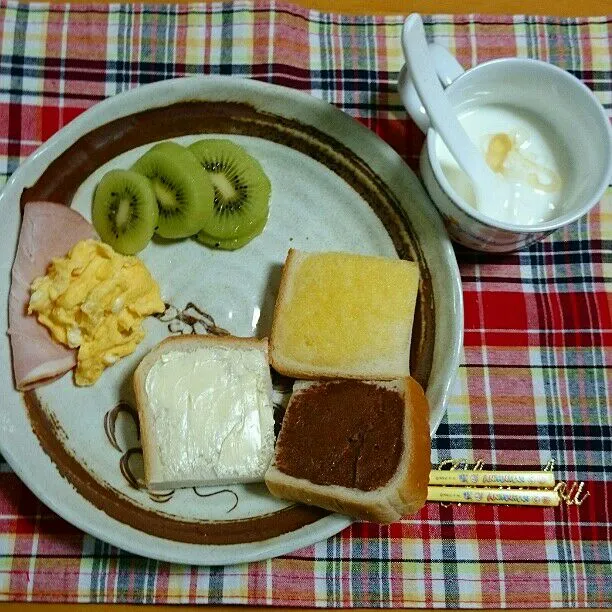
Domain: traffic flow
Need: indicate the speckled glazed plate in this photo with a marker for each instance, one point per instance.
(335, 186)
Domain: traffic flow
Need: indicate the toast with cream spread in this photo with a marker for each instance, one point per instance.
(343, 315)
(360, 448)
(205, 410)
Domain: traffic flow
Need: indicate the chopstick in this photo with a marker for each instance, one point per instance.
(478, 486)
(488, 495)
(453, 482)
(485, 478)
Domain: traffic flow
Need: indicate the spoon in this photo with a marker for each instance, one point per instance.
(443, 119)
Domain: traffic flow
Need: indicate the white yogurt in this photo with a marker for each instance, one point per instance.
(519, 147)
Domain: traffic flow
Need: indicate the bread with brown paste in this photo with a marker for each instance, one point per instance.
(360, 448)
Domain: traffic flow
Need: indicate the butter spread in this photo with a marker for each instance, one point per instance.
(345, 310)
(211, 416)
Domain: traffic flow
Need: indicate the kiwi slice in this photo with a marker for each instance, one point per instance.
(242, 189)
(124, 211)
(231, 244)
(182, 189)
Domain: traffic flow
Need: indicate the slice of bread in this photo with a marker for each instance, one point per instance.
(342, 315)
(368, 458)
(205, 410)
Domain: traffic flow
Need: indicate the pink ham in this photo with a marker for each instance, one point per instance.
(47, 230)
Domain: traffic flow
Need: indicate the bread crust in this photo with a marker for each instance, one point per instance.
(180, 343)
(404, 494)
(292, 259)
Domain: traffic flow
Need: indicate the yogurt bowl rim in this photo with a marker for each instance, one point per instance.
(554, 222)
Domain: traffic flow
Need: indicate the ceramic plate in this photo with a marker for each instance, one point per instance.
(335, 186)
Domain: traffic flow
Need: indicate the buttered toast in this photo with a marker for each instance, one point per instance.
(205, 410)
(343, 315)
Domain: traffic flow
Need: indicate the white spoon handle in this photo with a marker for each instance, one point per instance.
(441, 114)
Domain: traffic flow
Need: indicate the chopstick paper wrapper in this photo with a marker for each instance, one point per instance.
(483, 478)
(450, 483)
(488, 495)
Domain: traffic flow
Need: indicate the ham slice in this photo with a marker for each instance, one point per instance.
(47, 230)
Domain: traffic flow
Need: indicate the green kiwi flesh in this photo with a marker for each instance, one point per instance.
(241, 189)
(124, 211)
(182, 189)
(230, 244)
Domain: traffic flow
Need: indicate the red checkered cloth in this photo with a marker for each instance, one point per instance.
(533, 383)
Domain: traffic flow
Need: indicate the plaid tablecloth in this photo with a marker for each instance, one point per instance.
(533, 383)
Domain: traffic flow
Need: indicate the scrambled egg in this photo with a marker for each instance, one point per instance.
(95, 299)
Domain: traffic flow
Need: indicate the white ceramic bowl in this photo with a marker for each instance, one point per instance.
(574, 115)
